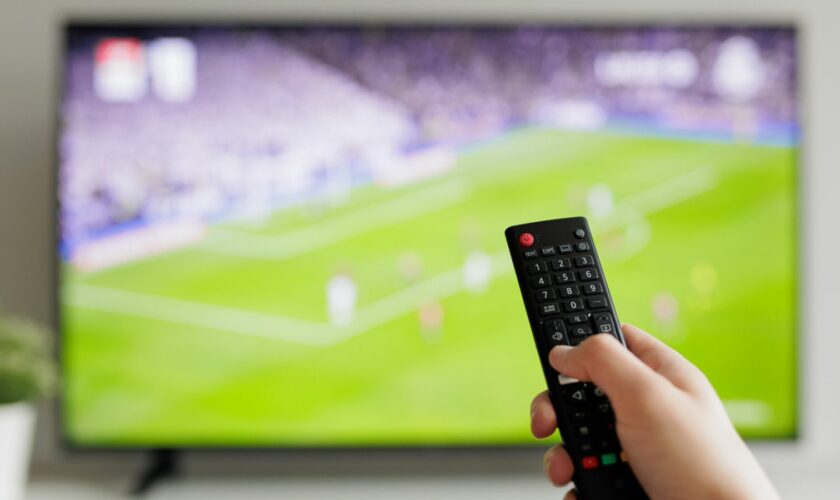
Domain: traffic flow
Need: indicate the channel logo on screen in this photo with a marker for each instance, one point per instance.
(119, 73)
(125, 69)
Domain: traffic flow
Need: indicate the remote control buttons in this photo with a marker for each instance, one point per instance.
(588, 274)
(566, 277)
(572, 305)
(584, 261)
(558, 338)
(599, 302)
(555, 331)
(558, 264)
(579, 414)
(577, 396)
(546, 251)
(579, 318)
(608, 458)
(537, 268)
(549, 309)
(589, 462)
(604, 408)
(580, 233)
(592, 288)
(581, 331)
(604, 323)
(541, 281)
(530, 254)
(582, 246)
(566, 248)
(546, 295)
(569, 291)
(526, 239)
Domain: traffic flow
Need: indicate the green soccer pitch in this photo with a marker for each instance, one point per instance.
(228, 342)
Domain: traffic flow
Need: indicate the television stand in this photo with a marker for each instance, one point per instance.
(163, 464)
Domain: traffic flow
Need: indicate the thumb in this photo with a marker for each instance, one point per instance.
(603, 360)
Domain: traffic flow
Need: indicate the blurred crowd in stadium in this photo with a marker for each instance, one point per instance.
(279, 117)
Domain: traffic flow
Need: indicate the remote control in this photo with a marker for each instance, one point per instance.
(567, 300)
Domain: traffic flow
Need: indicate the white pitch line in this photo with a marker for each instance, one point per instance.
(409, 299)
(665, 195)
(270, 326)
(343, 227)
(196, 314)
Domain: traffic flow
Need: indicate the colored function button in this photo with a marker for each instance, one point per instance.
(526, 239)
(589, 462)
(608, 458)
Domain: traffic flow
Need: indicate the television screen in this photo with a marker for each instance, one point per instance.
(292, 235)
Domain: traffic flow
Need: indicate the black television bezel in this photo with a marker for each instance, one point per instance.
(122, 25)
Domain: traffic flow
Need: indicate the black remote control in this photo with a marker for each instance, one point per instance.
(567, 300)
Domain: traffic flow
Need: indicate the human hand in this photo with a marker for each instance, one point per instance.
(670, 422)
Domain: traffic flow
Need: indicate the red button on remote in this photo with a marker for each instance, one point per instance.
(526, 239)
(589, 462)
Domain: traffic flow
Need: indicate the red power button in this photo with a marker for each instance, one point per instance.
(526, 239)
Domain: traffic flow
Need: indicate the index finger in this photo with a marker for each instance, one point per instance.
(603, 360)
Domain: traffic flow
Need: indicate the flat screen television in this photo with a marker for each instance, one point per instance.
(291, 235)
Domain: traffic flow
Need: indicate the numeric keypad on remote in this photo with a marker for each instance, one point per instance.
(564, 288)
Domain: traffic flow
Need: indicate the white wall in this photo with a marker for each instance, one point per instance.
(28, 42)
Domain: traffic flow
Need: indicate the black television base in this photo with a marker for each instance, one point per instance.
(163, 464)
